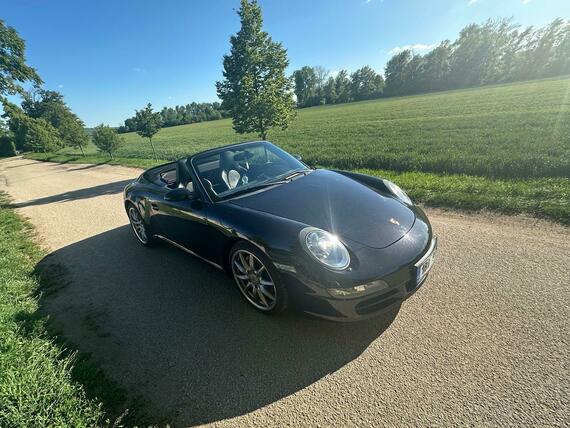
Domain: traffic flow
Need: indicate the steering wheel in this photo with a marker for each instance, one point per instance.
(272, 170)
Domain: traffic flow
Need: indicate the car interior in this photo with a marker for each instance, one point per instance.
(223, 171)
(172, 175)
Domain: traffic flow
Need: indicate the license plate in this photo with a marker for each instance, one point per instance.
(426, 263)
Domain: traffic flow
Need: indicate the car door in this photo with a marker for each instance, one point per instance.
(187, 224)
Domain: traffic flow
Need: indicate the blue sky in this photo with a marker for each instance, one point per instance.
(110, 57)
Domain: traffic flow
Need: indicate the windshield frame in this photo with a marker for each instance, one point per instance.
(240, 191)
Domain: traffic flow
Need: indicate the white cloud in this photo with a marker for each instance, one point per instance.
(139, 70)
(472, 2)
(60, 86)
(526, 1)
(416, 47)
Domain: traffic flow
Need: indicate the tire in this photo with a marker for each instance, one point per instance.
(140, 228)
(261, 286)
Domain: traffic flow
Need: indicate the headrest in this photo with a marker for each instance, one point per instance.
(182, 172)
(227, 160)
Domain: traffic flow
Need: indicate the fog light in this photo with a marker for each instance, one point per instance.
(358, 290)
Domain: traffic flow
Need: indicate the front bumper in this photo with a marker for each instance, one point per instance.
(399, 286)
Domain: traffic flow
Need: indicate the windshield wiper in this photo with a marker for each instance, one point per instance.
(293, 174)
(258, 186)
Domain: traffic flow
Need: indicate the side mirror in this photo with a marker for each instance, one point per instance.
(180, 194)
(298, 157)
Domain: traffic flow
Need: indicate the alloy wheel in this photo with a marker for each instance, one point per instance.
(138, 225)
(254, 280)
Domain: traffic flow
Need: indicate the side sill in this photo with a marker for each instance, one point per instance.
(188, 251)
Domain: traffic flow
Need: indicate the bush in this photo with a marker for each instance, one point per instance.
(106, 139)
(7, 147)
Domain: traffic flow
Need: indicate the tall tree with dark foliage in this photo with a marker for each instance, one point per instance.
(255, 89)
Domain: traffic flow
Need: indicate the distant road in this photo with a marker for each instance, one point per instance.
(484, 342)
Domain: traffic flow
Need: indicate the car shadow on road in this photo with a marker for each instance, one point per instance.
(73, 195)
(177, 332)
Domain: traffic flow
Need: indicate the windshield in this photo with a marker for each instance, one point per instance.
(243, 168)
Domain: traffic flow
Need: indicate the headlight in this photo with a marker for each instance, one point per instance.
(325, 247)
(397, 192)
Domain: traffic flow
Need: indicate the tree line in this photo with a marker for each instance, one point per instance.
(494, 52)
(315, 86)
(497, 51)
(181, 115)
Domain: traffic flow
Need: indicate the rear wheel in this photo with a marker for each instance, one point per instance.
(140, 228)
(257, 278)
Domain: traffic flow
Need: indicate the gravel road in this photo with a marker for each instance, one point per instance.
(483, 343)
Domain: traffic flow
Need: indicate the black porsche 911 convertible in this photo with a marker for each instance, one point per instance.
(335, 244)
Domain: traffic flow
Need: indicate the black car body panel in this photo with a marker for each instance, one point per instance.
(385, 237)
(339, 204)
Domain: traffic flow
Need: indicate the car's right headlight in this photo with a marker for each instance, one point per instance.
(325, 248)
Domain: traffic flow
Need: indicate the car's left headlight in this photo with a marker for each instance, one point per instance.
(397, 192)
(325, 247)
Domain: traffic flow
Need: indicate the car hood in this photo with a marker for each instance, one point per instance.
(336, 203)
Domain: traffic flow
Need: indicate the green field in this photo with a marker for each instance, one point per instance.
(516, 136)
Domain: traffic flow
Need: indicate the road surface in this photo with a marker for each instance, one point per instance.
(484, 342)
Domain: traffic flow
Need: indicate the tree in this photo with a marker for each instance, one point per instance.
(255, 89)
(49, 105)
(305, 86)
(329, 91)
(342, 87)
(366, 84)
(7, 147)
(17, 121)
(72, 132)
(414, 76)
(148, 124)
(46, 104)
(322, 75)
(34, 134)
(13, 68)
(436, 67)
(41, 136)
(130, 124)
(395, 72)
(106, 139)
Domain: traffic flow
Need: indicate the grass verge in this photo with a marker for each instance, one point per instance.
(540, 197)
(43, 382)
(95, 159)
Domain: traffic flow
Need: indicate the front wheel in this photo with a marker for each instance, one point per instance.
(257, 278)
(140, 228)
